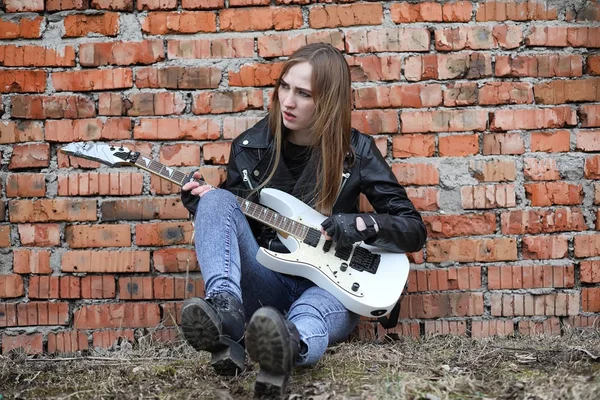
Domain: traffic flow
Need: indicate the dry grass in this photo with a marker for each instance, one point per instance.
(566, 367)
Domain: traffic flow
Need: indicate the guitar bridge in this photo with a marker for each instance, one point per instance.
(364, 260)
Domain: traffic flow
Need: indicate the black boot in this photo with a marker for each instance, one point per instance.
(216, 325)
(273, 342)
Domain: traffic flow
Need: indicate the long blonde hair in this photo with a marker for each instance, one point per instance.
(331, 123)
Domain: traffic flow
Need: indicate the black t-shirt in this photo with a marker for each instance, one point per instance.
(296, 158)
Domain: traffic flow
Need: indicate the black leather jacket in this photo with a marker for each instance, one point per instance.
(401, 228)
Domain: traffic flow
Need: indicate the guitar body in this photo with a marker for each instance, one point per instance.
(373, 294)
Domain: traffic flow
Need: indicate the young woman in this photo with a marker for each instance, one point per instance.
(307, 148)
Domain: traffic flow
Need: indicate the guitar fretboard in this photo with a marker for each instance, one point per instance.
(253, 210)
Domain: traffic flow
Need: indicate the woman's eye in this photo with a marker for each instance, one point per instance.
(284, 85)
(304, 94)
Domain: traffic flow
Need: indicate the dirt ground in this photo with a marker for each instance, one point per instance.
(566, 367)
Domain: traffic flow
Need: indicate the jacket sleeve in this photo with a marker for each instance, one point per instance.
(401, 228)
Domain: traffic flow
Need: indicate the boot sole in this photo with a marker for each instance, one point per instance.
(267, 344)
(202, 330)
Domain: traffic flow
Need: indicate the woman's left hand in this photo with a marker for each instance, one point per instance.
(347, 229)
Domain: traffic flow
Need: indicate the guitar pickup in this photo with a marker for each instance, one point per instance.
(312, 237)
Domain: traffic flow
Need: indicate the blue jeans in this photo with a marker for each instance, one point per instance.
(226, 251)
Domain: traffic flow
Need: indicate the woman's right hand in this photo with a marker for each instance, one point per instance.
(195, 188)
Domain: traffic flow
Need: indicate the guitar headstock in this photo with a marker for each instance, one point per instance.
(101, 152)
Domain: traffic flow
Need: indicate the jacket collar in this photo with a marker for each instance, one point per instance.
(259, 136)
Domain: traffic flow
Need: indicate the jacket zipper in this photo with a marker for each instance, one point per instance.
(246, 179)
(345, 177)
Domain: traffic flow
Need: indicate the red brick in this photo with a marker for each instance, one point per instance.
(22, 81)
(13, 6)
(175, 260)
(589, 11)
(106, 261)
(564, 91)
(547, 327)
(493, 170)
(167, 287)
(8, 314)
(441, 327)
(424, 198)
(78, 25)
(488, 196)
(243, 3)
(112, 5)
(22, 131)
(88, 129)
(36, 56)
(159, 186)
(460, 94)
(163, 103)
(558, 36)
(42, 313)
(416, 174)
(531, 276)
(443, 121)
(489, 328)
(591, 168)
(106, 339)
(590, 299)
(156, 5)
(5, 240)
(211, 48)
(448, 66)
(26, 185)
(506, 143)
(30, 156)
(545, 194)
(398, 96)
(98, 287)
(234, 126)
(478, 37)
(510, 119)
(430, 12)
(80, 236)
(67, 342)
(24, 27)
(590, 271)
(60, 5)
(44, 287)
(543, 66)
(216, 153)
(561, 219)
(11, 286)
(200, 4)
(587, 245)
(167, 335)
(493, 93)
(29, 343)
(162, 23)
(136, 288)
(588, 140)
(545, 247)
(593, 65)
(529, 10)
(43, 107)
(255, 75)
(437, 305)
(583, 322)
(260, 19)
(39, 235)
(445, 226)
(458, 145)
(472, 250)
(87, 80)
(389, 39)
(227, 102)
(131, 315)
(550, 142)
(374, 122)
(404, 146)
(333, 16)
(143, 209)
(545, 169)
(275, 45)
(411, 329)
(31, 261)
(461, 278)
(178, 77)
(172, 313)
(163, 233)
(100, 183)
(121, 53)
(589, 115)
(177, 129)
(180, 154)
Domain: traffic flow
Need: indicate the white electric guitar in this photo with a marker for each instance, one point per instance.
(366, 279)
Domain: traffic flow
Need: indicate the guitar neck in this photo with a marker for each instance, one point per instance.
(252, 210)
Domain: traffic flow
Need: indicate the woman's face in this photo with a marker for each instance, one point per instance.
(295, 99)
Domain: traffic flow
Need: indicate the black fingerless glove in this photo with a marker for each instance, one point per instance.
(342, 228)
(188, 200)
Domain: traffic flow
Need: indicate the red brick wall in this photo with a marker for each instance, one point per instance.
(488, 111)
